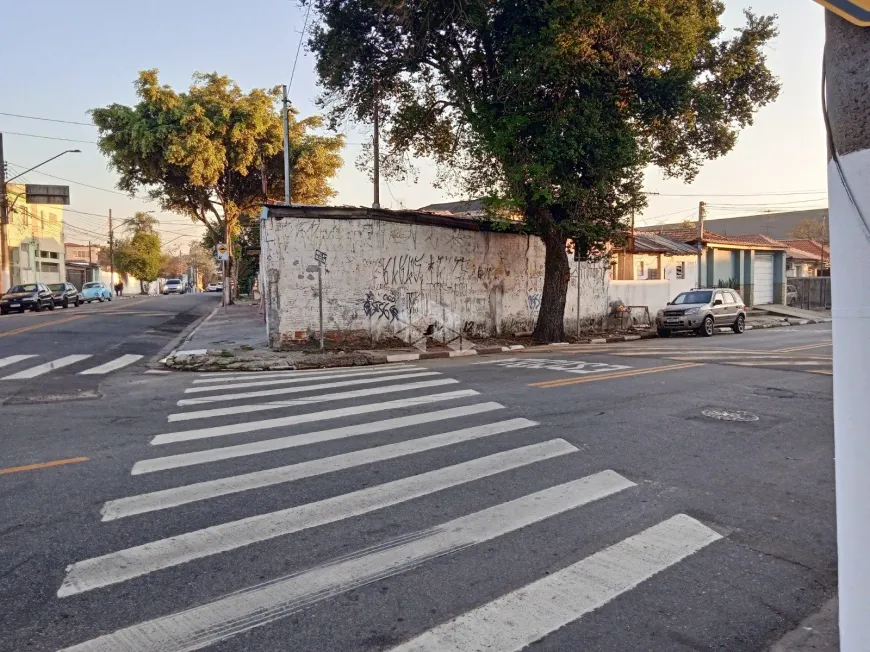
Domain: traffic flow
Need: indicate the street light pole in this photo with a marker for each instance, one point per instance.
(847, 116)
(5, 270)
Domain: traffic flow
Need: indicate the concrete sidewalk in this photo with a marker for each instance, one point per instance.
(229, 327)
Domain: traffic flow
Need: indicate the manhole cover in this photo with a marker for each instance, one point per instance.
(729, 415)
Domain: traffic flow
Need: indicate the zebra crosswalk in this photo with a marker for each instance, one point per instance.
(412, 411)
(44, 368)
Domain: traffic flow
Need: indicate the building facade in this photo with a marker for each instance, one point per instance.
(34, 240)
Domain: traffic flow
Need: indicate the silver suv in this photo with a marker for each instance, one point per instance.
(702, 311)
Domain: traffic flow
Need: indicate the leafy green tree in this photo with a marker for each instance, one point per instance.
(551, 108)
(214, 153)
(140, 256)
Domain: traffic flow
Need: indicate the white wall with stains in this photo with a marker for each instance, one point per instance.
(386, 278)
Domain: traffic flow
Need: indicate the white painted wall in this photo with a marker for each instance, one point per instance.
(652, 294)
(381, 276)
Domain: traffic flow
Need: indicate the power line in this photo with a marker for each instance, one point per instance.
(33, 117)
(756, 194)
(299, 47)
(86, 185)
(68, 140)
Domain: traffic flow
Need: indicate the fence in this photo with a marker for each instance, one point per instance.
(812, 292)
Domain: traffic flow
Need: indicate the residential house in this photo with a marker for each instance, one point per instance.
(753, 264)
(807, 258)
(778, 226)
(82, 263)
(34, 239)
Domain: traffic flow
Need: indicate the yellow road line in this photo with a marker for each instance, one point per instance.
(621, 374)
(779, 363)
(828, 372)
(43, 465)
(803, 348)
(24, 329)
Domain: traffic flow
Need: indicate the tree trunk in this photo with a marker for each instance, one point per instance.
(550, 326)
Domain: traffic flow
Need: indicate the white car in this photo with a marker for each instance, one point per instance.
(173, 286)
(214, 287)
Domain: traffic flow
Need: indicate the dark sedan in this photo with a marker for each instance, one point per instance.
(65, 295)
(29, 296)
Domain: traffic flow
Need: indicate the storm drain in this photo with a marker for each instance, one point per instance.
(729, 415)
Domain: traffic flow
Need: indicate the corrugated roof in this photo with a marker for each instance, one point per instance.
(652, 243)
(688, 235)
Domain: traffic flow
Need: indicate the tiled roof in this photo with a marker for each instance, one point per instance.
(815, 249)
(691, 235)
(652, 243)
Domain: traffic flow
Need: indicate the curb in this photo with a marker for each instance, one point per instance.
(171, 350)
(788, 322)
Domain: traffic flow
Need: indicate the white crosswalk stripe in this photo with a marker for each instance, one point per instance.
(46, 367)
(220, 398)
(14, 359)
(112, 365)
(428, 421)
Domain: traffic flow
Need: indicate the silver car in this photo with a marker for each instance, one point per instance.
(703, 311)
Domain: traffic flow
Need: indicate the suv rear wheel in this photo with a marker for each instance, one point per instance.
(707, 327)
(739, 326)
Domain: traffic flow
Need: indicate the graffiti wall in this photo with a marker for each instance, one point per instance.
(409, 280)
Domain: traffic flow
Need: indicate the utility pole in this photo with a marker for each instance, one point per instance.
(111, 246)
(5, 269)
(286, 117)
(702, 215)
(376, 149)
(847, 60)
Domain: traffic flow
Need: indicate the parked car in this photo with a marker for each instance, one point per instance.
(702, 311)
(173, 286)
(65, 295)
(96, 291)
(790, 295)
(214, 287)
(28, 296)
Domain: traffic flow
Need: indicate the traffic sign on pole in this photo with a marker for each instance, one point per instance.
(855, 11)
(223, 251)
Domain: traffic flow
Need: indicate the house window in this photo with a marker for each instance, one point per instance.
(681, 270)
(52, 218)
(53, 255)
(53, 268)
(652, 274)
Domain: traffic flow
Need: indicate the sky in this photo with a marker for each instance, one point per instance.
(77, 56)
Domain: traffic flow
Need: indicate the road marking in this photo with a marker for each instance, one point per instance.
(140, 560)
(220, 398)
(288, 380)
(566, 366)
(44, 368)
(264, 424)
(805, 348)
(624, 374)
(112, 365)
(825, 372)
(292, 441)
(277, 405)
(518, 619)
(260, 605)
(304, 374)
(158, 372)
(42, 465)
(779, 363)
(56, 322)
(168, 498)
(12, 359)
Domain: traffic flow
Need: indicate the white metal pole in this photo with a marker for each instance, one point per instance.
(847, 60)
(320, 299)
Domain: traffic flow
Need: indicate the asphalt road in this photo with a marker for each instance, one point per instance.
(658, 495)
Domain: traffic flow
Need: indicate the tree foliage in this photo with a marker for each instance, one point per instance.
(810, 229)
(551, 107)
(214, 153)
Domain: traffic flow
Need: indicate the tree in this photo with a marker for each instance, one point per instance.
(810, 229)
(214, 153)
(140, 256)
(172, 265)
(553, 108)
(202, 261)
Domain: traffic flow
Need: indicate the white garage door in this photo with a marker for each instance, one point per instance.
(763, 279)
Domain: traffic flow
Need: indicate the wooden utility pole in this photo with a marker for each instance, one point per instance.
(376, 149)
(702, 215)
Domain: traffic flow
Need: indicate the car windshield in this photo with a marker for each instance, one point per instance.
(693, 297)
(57, 287)
(30, 287)
(90, 285)
(173, 282)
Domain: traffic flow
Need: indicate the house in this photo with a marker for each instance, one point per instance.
(82, 263)
(753, 264)
(807, 258)
(34, 239)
